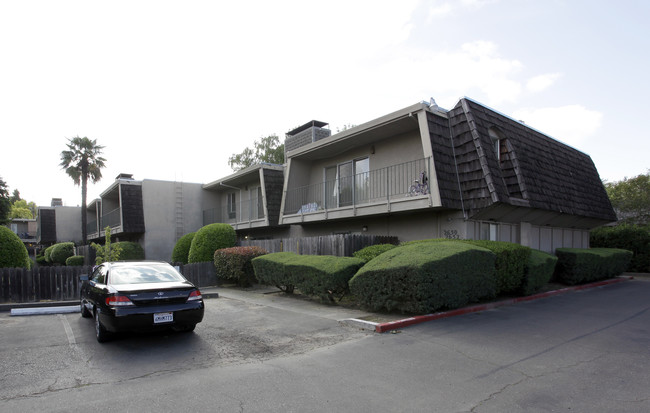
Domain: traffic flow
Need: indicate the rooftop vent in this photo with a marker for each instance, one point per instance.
(57, 202)
(124, 176)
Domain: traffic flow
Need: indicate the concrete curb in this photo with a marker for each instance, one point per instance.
(45, 310)
(397, 324)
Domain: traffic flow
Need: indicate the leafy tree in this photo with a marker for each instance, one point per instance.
(268, 150)
(20, 209)
(82, 161)
(15, 196)
(108, 251)
(631, 199)
(5, 202)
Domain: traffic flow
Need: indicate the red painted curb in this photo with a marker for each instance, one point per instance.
(393, 325)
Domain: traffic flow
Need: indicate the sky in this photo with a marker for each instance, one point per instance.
(172, 89)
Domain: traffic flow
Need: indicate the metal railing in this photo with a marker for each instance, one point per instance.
(247, 211)
(379, 185)
(112, 219)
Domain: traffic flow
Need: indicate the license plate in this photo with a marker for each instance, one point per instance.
(163, 318)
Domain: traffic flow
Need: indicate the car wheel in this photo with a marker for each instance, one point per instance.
(100, 331)
(84, 311)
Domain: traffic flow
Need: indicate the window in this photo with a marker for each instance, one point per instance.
(489, 231)
(232, 206)
(498, 143)
(99, 275)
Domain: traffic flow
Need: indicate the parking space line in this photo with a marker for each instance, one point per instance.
(68, 330)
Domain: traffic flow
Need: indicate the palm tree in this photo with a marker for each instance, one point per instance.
(82, 161)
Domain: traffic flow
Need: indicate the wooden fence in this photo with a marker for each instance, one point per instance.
(342, 245)
(21, 285)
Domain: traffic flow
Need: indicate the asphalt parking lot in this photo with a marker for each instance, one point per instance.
(584, 351)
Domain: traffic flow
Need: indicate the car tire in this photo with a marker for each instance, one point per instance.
(101, 333)
(84, 311)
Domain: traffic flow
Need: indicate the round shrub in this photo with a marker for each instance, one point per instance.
(368, 253)
(130, 251)
(182, 248)
(75, 261)
(48, 254)
(61, 252)
(209, 239)
(235, 264)
(13, 253)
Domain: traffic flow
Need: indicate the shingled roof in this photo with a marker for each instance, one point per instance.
(533, 178)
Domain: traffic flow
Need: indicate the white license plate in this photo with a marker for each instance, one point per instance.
(163, 318)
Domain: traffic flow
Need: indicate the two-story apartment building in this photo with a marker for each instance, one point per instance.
(424, 172)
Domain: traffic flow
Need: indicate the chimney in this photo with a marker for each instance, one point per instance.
(303, 135)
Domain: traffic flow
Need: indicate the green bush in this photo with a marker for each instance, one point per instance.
(235, 264)
(579, 266)
(13, 253)
(510, 263)
(61, 252)
(75, 261)
(425, 277)
(324, 276)
(539, 270)
(628, 237)
(130, 251)
(368, 253)
(48, 254)
(270, 270)
(511, 260)
(182, 248)
(209, 239)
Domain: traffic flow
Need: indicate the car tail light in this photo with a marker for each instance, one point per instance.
(195, 295)
(118, 301)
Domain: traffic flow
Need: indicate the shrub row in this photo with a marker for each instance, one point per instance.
(235, 264)
(208, 239)
(425, 277)
(539, 271)
(629, 237)
(372, 251)
(324, 276)
(578, 266)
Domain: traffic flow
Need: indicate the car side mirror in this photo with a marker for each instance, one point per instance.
(83, 277)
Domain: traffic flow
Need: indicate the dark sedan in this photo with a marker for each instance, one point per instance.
(139, 296)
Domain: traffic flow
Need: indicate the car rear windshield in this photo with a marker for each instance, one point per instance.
(144, 274)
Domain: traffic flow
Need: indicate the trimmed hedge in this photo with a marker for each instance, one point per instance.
(539, 271)
(61, 252)
(75, 261)
(426, 276)
(372, 251)
(235, 264)
(628, 237)
(270, 270)
(48, 254)
(510, 263)
(130, 251)
(182, 248)
(579, 266)
(13, 253)
(324, 276)
(208, 239)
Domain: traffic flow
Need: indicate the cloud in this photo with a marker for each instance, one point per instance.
(542, 82)
(571, 124)
(440, 9)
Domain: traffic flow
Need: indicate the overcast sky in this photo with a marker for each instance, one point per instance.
(173, 88)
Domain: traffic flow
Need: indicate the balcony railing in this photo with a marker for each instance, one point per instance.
(379, 185)
(250, 210)
(112, 219)
(91, 227)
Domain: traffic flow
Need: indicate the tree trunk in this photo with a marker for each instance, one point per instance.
(84, 217)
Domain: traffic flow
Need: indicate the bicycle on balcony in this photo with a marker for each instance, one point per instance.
(420, 186)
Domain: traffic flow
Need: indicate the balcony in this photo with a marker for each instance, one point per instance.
(112, 219)
(390, 189)
(248, 214)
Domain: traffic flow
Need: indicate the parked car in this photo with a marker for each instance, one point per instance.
(139, 296)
